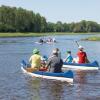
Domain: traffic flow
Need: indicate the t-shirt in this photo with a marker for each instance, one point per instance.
(35, 61)
(69, 59)
(82, 56)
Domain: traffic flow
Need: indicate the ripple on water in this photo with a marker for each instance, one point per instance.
(14, 85)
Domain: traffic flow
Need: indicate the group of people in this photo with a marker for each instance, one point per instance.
(81, 56)
(54, 63)
(41, 40)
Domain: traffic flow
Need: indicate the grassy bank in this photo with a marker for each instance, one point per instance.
(20, 34)
(92, 39)
(38, 34)
(31, 34)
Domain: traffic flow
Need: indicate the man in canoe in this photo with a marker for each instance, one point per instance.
(82, 56)
(54, 62)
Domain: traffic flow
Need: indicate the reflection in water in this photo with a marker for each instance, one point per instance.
(34, 88)
(56, 90)
(81, 80)
(51, 90)
(86, 84)
(43, 89)
(81, 77)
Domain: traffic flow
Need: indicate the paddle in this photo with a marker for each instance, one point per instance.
(77, 43)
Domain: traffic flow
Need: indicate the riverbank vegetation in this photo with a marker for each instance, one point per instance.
(95, 38)
(17, 20)
(33, 34)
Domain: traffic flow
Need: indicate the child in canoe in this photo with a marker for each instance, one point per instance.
(69, 58)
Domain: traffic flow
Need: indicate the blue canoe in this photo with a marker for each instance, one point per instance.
(64, 76)
(75, 66)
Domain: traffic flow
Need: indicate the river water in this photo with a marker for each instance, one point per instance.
(14, 85)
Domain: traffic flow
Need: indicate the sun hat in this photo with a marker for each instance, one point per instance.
(80, 47)
(35, 51)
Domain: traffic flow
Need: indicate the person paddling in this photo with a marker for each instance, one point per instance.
(82, 56)
(54, 62)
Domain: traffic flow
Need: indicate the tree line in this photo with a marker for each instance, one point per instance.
(14, 19)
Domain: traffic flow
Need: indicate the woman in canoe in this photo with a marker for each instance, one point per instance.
(54, 62)
(35, 61)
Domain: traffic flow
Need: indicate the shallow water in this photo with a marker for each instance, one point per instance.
(14, 85)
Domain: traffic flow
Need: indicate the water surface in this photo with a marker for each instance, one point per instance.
(14, 85)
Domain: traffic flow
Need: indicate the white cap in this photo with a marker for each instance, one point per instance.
(80, 47)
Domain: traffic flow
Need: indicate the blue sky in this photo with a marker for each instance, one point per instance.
(60, 10)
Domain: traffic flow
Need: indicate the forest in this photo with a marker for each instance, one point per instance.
(14, 19)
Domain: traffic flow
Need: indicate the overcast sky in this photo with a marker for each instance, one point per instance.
(60, 10)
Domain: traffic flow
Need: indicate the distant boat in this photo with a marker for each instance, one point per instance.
(45, 42)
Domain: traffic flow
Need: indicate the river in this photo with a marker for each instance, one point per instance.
(14, 85)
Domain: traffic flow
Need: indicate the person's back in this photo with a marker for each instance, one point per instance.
(69, 58)
(55, 63)
(35, 61)
(81, 55)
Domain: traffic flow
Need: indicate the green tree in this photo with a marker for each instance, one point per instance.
(50, 27)
(43, 24)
